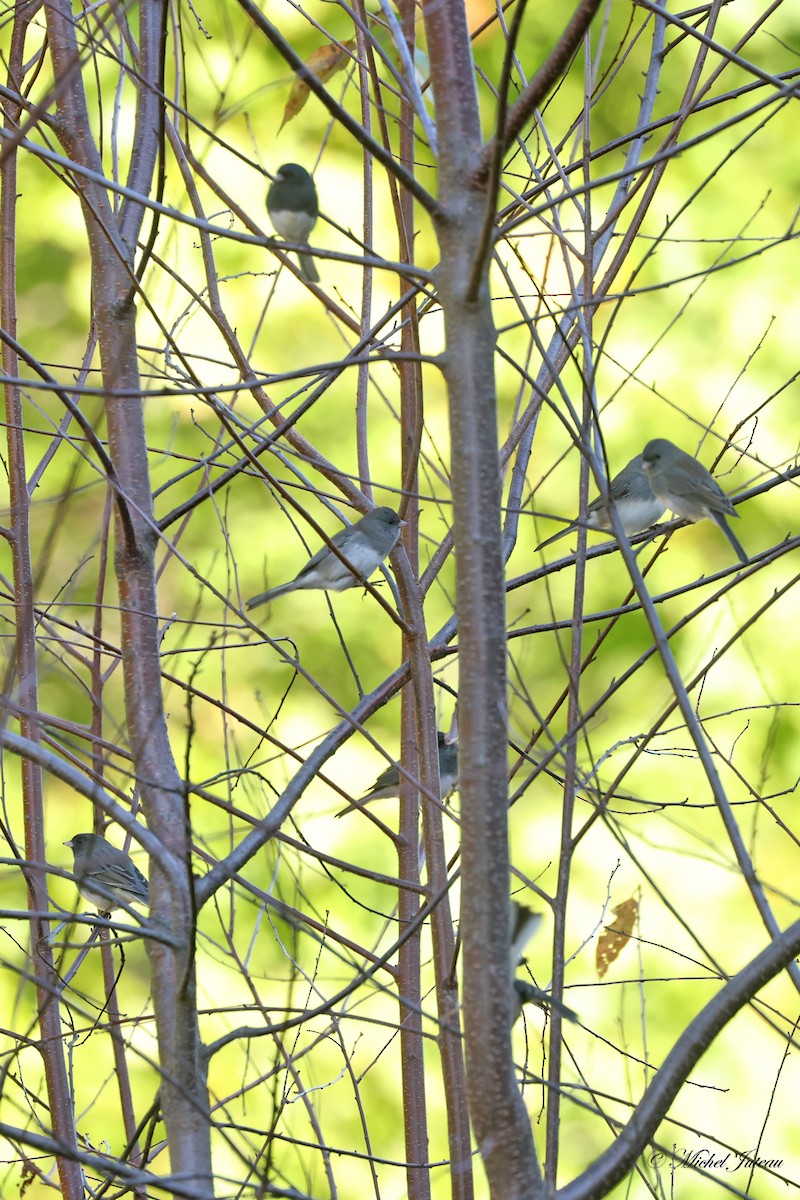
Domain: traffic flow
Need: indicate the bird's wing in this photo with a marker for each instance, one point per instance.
(313, 562)
(388, 778)
(359, 551)
(117, 876)
(684, 483)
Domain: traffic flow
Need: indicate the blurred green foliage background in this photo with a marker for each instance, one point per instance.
(699, 332)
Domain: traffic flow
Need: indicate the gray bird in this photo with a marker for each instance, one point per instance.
(388, 782)
(105, 875)
(364, 545)
(525, 922)
(526, 992)
(688, 489)
(293, 209)
(636, 505)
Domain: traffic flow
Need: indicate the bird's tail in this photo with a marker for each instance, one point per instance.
(556, 537)
(731, 536)
(355, 805)
(270, 594)
(308, 268)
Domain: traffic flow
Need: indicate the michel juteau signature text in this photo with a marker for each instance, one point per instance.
(711, 1160)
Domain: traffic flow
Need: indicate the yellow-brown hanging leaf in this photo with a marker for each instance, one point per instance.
(324, 62)
(616, 935)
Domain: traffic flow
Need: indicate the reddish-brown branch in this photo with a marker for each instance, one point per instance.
(543, 81)
(499, 1119)
(416, 740)
(183, 1093)
(43, 968)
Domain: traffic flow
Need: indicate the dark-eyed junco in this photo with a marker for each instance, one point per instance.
(105, 875)
(687, 488)
(632, 494)
(364, 545)
(526, 992)
(524, 923)
(388, 782)
(293, 209)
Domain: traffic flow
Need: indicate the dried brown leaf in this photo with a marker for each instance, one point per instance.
(324, 62)
(616, 935)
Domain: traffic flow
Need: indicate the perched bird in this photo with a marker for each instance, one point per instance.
(526, 992)
(633, 496)
(105, 875)
(364, 545)
(687, 488)
(293, 209)
(524, 923)
(388, 782)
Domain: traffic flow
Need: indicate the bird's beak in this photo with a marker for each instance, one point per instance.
(69, 843)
